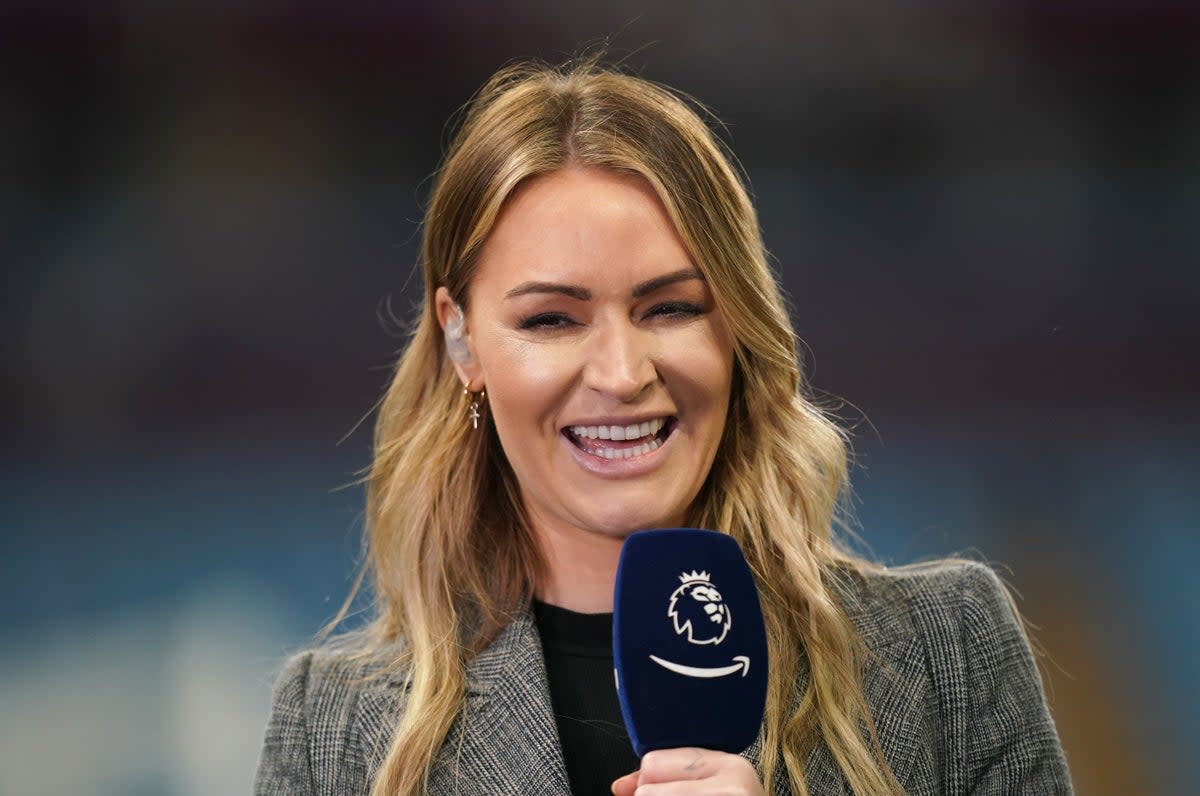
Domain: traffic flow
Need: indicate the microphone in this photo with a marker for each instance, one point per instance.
(689, 644)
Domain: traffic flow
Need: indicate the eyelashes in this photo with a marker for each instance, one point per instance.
(559, 320)
(679, 308)
(546, 320)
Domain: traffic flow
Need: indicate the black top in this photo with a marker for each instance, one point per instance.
(583, 693)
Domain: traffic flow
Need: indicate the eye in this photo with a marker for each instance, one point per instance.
(676, 309)
(546, 320)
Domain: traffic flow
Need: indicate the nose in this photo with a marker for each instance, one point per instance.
(619, 363)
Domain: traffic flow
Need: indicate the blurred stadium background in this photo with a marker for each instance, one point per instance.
(987, 216)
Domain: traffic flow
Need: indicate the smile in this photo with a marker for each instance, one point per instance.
(621, 441)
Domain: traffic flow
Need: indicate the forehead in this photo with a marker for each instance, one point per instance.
(581, 225)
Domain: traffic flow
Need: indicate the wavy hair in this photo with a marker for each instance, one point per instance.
(449, 575)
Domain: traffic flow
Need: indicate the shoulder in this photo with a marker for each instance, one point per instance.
(952, 656)
(932, 583)
(923, 600)
(955, 615)
(327, 675)
(329, 687)
(317, 730)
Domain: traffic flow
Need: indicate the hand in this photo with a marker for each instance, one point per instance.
(690, 771)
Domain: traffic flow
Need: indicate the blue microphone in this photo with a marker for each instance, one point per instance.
(689, 644)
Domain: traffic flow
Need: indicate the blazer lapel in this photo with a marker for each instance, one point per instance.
(895, 685)
(506, 739)
(822, 774)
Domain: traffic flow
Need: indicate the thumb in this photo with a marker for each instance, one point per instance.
(626, 785)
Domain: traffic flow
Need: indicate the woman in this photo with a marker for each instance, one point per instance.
(602, 348)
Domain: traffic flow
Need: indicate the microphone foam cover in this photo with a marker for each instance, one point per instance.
(689, 645)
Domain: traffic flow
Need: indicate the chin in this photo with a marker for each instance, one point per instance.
(622, 524)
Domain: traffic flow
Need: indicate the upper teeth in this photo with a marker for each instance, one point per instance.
(634, 431)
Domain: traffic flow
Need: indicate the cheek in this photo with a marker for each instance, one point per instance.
(702, 361)
(524, 379)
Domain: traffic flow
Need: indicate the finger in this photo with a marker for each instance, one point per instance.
(626, 785)
(673, 765)
(716, 786)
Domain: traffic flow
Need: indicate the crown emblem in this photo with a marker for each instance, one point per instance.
(689, 577)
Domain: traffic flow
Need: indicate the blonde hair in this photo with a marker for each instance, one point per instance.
(448, 575)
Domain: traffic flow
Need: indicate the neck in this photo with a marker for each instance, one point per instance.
(581, 569)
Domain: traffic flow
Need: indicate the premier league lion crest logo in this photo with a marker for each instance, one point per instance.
(698, 610)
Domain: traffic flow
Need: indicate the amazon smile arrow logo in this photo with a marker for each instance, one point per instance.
(741, 663)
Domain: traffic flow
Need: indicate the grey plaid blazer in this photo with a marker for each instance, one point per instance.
(956, 698)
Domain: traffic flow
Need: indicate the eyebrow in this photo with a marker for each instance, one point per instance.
(651, 285)
(583, 294)
(525, 288)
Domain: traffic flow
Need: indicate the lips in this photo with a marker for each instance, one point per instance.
(621, 441)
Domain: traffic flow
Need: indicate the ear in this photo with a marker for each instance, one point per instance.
(458, 340)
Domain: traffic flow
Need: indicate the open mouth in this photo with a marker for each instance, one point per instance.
(622, 442)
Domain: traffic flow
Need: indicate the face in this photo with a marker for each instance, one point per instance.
(606, 363)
